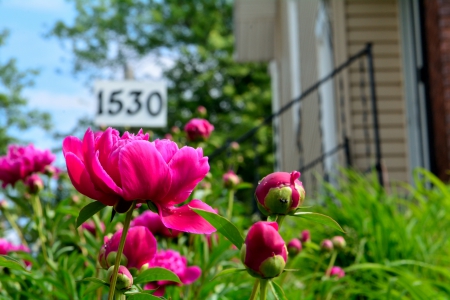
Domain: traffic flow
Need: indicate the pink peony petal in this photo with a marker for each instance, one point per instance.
(184, 219)
(145, 174)
(187, 170)
(191, 274)
(82, 181)
(73, 145)
(98, 174)
(166, 148)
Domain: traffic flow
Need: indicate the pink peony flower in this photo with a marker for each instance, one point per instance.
(153, 222)
(139, 250)
(337, 271)
(22, 161)
(115, 170)
(90, 226)
(230, 179)
(279, 193)
(173, 261)
(264, 253)
(7, 247)
(294, 247)
(198, 129)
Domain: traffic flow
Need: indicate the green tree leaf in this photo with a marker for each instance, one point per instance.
(155, 274)
(223, 226)
(12, 263)
(227, 271)
(318, 218)
(88, 211)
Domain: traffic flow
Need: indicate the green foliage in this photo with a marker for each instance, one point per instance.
(13, 114)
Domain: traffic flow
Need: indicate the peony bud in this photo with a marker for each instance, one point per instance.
(124, 278)
(264, 252)
(198, 130)
(230, 180)
(140, 247)
(306, 236)
(337, 271)
(326, 246)
(201, 110)
(294, 247)
(175, 129)
(339, 242)
(279, 193)
(234, 146)
(34, 184)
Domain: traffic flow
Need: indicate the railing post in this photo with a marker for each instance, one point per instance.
(348, 158)
(373, 98)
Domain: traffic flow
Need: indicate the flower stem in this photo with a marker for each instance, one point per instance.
(13, 223)
(230, 204)
(263, 289)
(331, 264)
(280, 220)
(255, 290)
(126, 225)
(37, 207)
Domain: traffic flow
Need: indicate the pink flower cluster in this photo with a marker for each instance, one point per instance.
(140, 253)
(21, 162)
(173, 261)
(116, 170)
(7, 247)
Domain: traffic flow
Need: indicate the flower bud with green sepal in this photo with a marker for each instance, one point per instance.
(264, 252)
(124, 278)
(280, 193)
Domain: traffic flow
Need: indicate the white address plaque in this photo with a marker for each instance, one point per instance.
(131, 103)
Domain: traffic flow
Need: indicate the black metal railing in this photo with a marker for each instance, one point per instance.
(344, 147)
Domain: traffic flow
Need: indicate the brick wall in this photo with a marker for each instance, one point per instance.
(437, 38)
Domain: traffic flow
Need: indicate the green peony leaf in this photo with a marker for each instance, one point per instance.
(88, 211)
(223, 226)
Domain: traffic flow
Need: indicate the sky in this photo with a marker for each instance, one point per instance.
(56, 90)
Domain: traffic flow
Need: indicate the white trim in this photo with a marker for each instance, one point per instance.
(294, 58)
(414, 89)
(273, 71)
(326, 91)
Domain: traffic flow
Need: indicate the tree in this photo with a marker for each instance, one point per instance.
(13, 114)
(198, 36)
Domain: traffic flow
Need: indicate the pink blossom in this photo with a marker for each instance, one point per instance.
(198, 129)
(264, 253)
(280, 193)
(173, 261)
(153, 222)
(337, 271)
(113, 169)
(140, 248)
(7, 247)
(22, 161)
